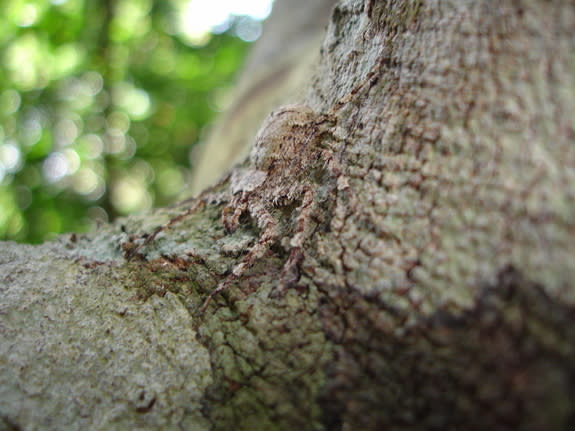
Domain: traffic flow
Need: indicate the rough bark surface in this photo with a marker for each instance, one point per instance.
(427, 284)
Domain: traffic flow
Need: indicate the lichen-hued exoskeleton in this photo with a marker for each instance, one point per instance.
(286, 162)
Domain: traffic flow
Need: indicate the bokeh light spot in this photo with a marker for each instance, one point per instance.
(10, 101)
(135, 101)
(248, 29)
(10, 157)
(118, 123)
(27, 15)
(66, 131)
(170, 181)
(88, 183)
(55, 167)
(92, 146)
(199, 17)
(129, 195)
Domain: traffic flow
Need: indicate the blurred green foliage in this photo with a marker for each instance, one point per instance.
(100, 103)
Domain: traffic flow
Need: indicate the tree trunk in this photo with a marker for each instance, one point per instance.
(396, 254)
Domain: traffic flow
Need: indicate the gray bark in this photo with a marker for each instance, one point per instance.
(434, 286)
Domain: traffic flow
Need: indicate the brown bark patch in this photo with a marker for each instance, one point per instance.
(504, 363)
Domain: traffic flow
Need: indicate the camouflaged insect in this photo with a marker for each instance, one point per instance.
(287, 162)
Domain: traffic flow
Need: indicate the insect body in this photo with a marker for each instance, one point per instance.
(286, 161)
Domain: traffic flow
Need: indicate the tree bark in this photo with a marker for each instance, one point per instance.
(417, 273)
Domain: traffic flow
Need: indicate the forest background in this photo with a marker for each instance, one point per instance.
(102, 104)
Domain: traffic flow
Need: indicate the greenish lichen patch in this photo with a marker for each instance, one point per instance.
(267, 351)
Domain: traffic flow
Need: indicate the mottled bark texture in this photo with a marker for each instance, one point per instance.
(432, 285)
